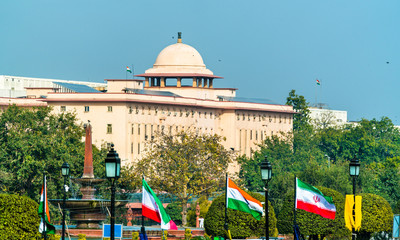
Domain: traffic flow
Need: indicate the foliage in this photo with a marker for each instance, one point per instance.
(135, 235)
(300, 105)
(188, 234)
(81, 236)
(33, 141)
(377, 216)
(185, 165)
(311, 224)
(174, 210)
(164, 235)
(204, 205)
(19, 217)
(241, 224)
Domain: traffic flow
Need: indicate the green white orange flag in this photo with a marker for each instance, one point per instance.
(238, 199)
(43, 211)
(312, 200)
(128, 70)
(318, 82)
(152, 208)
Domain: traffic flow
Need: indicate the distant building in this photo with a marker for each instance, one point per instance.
(322, 117)
(176, 94)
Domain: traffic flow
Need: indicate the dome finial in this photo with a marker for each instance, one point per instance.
(179, 37)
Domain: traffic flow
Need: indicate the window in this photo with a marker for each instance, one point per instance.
(109, 108)
(63, 108)
(138, 148)
(109, 128)
(130, 110)
(86, 108)
(132, 131)
(138, 129)
(131, 147)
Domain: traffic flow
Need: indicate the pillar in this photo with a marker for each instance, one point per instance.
(158, 82)
(162, 81)
(210, 83)
(200, 80)
(179, 82)
(204, 82)
(153, 82)
(194, 82)
(146, 82)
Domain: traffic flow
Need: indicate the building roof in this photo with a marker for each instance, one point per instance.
(249, 100)
(77, 87)
(150, 92)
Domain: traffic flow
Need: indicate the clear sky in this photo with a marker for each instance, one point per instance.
(264, 48)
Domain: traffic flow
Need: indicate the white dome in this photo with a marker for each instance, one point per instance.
(179, 58)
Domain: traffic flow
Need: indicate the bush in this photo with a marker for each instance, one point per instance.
(19, 217)
(188, 234)
(174, 210)
(241, 224)
(312, 224)
(377, 216)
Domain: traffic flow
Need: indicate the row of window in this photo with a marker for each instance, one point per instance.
(276, 118)
(170, 112)
(86, 108)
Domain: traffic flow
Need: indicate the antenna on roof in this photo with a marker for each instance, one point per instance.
(179, 37)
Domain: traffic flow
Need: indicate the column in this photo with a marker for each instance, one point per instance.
(194, 82)
(162, 81)
(200, 80)
(146, 82)
(158, 82)
(153, 82)
(179, 82)
(210, 83)
(204, 82)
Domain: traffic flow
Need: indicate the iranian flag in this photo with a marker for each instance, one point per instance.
(152, 208)
(312, 200)
(238, 199)
(43, 211)
(128, 70)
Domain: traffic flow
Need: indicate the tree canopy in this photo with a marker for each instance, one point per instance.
(186, 164)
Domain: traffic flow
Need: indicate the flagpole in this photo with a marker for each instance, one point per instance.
(133, 72)
(143, 230)
(226, 205)
(44, 207)
(294, 209)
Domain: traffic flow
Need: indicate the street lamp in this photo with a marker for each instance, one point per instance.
(266, 175)
(354, 168)
(65, 173)
(113, 167)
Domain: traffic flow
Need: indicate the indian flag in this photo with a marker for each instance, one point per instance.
(152, 208)
(238, 199)
(312, 200)
(43, 211)
(318, 82)
(128, 70)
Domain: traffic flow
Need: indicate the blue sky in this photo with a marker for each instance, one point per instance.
(264, 48)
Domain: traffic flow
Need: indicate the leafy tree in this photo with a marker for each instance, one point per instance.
(185, 165)
(33, 141)
(174, 210)
(312, 224)
(377, 216)
(241, 224)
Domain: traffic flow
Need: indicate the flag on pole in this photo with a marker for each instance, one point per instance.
(312, 200)
(152, 208)
(318, 82)
(240, 200)
(128, 70)
(353, 220)
(44, 212)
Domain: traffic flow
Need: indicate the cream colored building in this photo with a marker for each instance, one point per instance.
(176, 94)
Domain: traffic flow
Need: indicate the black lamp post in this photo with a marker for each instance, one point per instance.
(113, 167)
(266, 175)
(65, 173)
(354, 168)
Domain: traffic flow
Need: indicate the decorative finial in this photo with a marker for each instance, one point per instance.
(179, 37)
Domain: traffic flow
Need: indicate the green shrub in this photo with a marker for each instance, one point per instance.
(188, 234)
(135, 235)
(312, 224)
(241, 224)
(164, 235)
(81, 236)
(377, 216)
(174, 210)
(19, 217)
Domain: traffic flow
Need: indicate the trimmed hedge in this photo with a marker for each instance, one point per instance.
(241, 224)
(19, 217)
(311, 224)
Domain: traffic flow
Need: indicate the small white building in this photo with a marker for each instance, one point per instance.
(323, 117)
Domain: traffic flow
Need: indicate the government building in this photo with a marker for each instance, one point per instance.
(176, 94)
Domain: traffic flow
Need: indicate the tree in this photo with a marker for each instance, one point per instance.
(185, 165)
(241, 224)
(300, 105)
(377, 216)
(312, 224)
(33, 141)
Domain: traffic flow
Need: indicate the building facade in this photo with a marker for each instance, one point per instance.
(176, 94)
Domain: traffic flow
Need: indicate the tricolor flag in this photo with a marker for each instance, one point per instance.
(318, 82)
(312, 200)
(238, 199)
(152, 208)
(128, 70)
(43, 211)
